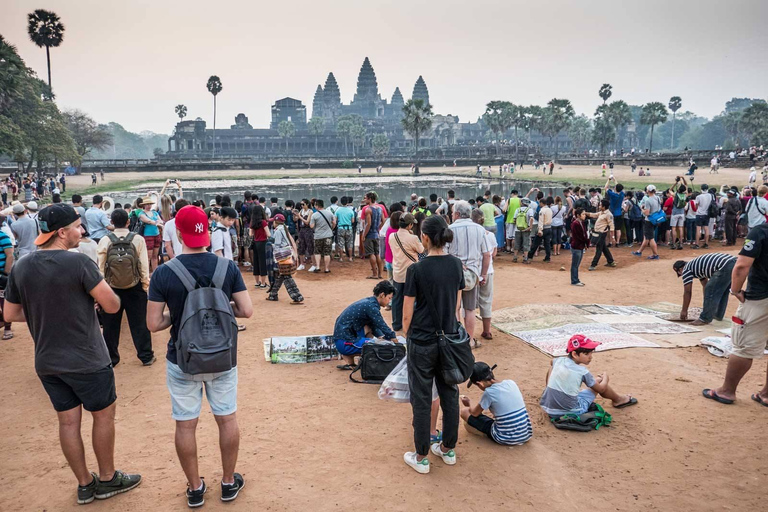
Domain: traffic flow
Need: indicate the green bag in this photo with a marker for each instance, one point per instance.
(593, 419)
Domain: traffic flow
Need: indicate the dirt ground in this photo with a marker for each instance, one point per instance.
(312, 439)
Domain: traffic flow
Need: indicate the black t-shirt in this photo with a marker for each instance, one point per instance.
(436, 279)
(166, 287)
(53, 288)
(755, 246)
(433, 208)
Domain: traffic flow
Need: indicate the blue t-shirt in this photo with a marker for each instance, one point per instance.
(616, 199)
(166, 287)
(149, 229)
(512, 425)
(5, 243)
(565, 379)
(345, 216)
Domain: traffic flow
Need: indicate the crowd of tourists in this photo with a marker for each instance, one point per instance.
(167, 262)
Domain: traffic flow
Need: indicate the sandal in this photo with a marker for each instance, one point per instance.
(344, 367)
(272, 299)
(632, 401)
(297, 302)
(710, 393)
(474, 343)
(240, 327)
(759, 400)
(487, 336)
(372, 277)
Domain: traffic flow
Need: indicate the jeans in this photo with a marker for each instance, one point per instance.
(423, 368)
(576, 257)
(690, 229)
(637, 227)
(602, 248)
(716, 294)
(730, 229)
(546, 238)
(397, 306)
(134, 302)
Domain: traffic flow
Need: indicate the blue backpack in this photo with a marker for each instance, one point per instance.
(635, 213)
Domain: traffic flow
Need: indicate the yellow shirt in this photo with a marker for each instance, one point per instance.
(604, 222)
(141, 251)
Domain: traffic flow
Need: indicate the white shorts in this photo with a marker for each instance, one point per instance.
(511, 228)
(677, 220)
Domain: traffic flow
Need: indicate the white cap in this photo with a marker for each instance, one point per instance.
(651, 188)
(32, 206)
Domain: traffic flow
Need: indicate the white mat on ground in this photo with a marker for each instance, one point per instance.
(643, 324)
(553, 341)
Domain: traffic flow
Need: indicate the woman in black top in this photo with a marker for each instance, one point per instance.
(438, 279)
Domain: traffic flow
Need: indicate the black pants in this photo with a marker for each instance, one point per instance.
(546, 238)
(397, 306)
(134, 302)
(259, 256)
(730, 229)
(637, 228)
(601, 247)
(423, 368)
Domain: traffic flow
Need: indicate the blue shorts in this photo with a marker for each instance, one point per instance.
(349, 348)
(585, 398)
(187, 392)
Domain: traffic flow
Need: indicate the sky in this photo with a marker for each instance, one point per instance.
(132, 61)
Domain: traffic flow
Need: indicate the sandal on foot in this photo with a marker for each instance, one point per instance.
(297, 302)
(710, 393)
(632, 401)
(474, 343)
(8, 336)
(372, 277)
(272, 299)
(759, 400)
(345, 367)
(240, 327)
(487, 336)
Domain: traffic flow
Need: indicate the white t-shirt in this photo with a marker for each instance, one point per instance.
(169, 235)
(221, 240)
(703, 201)
(492, 244)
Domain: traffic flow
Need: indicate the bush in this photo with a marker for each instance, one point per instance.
(347, 164)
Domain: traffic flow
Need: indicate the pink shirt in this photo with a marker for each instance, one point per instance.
(387, 248)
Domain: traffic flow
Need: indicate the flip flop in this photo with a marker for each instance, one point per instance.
(372, 277)
(710, 393)
(632, 401)
(297, 303)
(241, 328)
(759, 400)
(344, 367)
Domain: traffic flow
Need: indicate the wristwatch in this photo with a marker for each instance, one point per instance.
(736, 292)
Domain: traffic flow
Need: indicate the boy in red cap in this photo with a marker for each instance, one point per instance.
(563, 394)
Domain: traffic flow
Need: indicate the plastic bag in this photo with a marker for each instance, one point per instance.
(395, 386)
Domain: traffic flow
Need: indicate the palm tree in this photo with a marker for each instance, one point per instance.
(45, 29)
(580, 131)
(498, 118)
(417, 119)
(605, 92)
(214, 87)
(518, 115)
(675, 102)
(619, 115)
(357, 134)
(534, 116)
(558, 115)
(653, 113)
(316, 127)
(181, 111)
(286, 129)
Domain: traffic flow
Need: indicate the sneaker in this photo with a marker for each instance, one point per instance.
(591, 268)
(636, 253)
(611, 264)
(87, 493)
(654, 257)
(448, 457)
(230, 491)
(577, 284)
(421, 466)
(694, 246)
(246, 263)
(300, 267)
(196, 498)
(312, 268)
(705, 246)
(150, 362)
(527, 261)
(120, 483)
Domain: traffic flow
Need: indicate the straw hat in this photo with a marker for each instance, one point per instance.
(148, 200)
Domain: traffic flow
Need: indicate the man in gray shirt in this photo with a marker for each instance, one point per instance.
(322, 222)
(96, 220)
(24, 229)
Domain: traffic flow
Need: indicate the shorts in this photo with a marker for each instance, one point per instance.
(749, 329)
(649, 230)
(187, 392)
(469, 298)
(153, 242)
(482, 423)
(618, 223)
(351, 348)
(371, 246)
(702, 220)
(485, 297)
(345, 238)
(94, 391)
(492, 229)
(510, 231)
(323, 246)
(677, 220)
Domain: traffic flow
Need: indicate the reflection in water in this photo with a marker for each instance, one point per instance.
(388, 189)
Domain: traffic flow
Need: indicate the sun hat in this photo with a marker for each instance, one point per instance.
(18, 209)
(580, 341)
(53, 218)
(192, 223)
(148, 200)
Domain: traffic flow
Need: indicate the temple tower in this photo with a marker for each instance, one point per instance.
(420, 91)
(318, 102)
(331, 98)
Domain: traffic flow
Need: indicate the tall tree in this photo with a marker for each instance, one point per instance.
(604, 132)
(357, 134)
(558, 115)
(380, 144)
(181, 111)
(534, 115)
(619, 115)
(286, 129)
(518, 115)
(45, 29)
(417, 119)
(580, 131)
(214, 87)
(87, 134)
(316, 127)
(498, 118)
(605, 92)
(345, 126)
(675, 102)
(653, 113)
(755, 122)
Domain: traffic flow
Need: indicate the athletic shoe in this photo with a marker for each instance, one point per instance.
(694, 246)
(591, 268)
(705, 246)
(196, 498)
(86, 493)
(120, 483)
(421, 466)
(611, 264)
(577, 284)
(312, 268)
(654, 257)
(230, 491)
(246, 263)
(448, 457)
(636, 253)
(150, 362)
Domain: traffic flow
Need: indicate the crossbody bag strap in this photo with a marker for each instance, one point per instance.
(326, 220)
(403, 249)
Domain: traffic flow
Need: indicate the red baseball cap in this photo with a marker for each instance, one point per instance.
(192, 223)
(581, 341)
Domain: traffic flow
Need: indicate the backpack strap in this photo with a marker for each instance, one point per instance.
(220, 273)
(183, 274)
(112, 237)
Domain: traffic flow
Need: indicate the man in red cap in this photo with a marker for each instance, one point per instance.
(564, 395)
(71, 358)
(186, 390)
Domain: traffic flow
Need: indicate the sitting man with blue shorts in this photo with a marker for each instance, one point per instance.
(360, 322)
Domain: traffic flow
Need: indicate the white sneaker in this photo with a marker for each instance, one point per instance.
(421, 466)
(312, 268)
(448, 457)
(246, 263)
(300, 267)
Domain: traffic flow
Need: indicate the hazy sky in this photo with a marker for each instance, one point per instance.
(132, 61)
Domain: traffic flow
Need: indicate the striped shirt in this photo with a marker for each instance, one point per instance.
(512, 424)
(469, 244)
(5, 243)
(704, 266)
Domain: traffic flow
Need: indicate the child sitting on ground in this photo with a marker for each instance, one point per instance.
(510, 423)
(564, 378)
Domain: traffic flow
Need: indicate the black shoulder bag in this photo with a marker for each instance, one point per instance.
(456, 358)
(377, 360)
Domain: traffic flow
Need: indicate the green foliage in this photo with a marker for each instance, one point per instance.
(347, 164)
(347, 126)
(380, 144)
(417, 119)
(557, 116)
(358, 134)
(498, 116)
(129, 145)
(214, 85)
(739, 104)
(605, 92)
(604, 132)
(316, 127)
(755, 122)
(675, 102)
(181, 111)
(286, 129)
(87, 134)
(580, 132)
(653, 113)
(706, 136)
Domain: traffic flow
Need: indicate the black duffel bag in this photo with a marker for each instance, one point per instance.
(377, 360)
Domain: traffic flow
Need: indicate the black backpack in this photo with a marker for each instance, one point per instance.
(593, 419)
(714, 210)
(377, 360)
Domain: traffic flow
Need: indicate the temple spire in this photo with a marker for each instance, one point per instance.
(420, 91)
